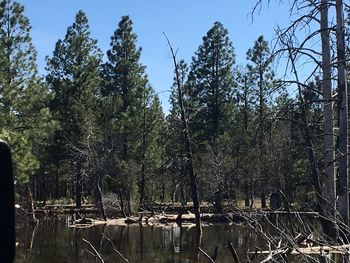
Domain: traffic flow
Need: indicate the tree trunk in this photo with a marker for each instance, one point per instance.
(142, 186)
(245, 98)
(99, 197)
(315, 176)
(173, 192)
(78, 186)
(343, 116)
(251, 194)
(44, 190)
(120, 195)
(263, 199)
(189, 157)
(246, 194)
(30, 203)
(261, 139)
(328, 137)
(183, 195)
(129, 198)
(57, 184)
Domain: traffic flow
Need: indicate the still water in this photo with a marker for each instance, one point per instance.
(51, 241)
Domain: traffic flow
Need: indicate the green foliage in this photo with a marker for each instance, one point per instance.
(74, 78)
(17, 57)
(24, 161)
(95, 120)
(261, 80)
(132, 126)
(125, 84)
(24, 115)
(208, 88)
(210, 84)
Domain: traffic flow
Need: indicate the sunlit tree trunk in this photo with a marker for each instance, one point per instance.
(328, 137)
(343, 116)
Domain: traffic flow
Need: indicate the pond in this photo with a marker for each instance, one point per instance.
(51, 241)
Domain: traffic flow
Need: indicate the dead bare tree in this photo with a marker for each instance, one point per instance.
(328, 137)
(91, 154)
(306, 245)
(315, 175)
(189, 157)
(343, 116)
(302, 50)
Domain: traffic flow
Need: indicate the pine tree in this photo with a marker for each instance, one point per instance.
(211, 84)
(262, 76)
(18, 56)
(126, 87)
(73, 75)
(24, 116)
(210, 89)
(243, 133)
(152, 150)
(124, 77)
(263, 85)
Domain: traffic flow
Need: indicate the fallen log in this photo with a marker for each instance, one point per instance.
(341, 249)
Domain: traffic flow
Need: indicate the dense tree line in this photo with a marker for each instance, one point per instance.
(91, 127)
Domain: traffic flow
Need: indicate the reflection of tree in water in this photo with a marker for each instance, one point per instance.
(60, 244)
(103, 233)
(76, 242)
(141, 242)
(31, 243)
(176, 239)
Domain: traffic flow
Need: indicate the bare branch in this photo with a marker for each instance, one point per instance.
(96, 253)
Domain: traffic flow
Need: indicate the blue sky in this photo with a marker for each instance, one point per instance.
(184, 21)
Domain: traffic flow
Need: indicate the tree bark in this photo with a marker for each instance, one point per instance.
(142, 186)
(120, 194)
(246, 194)
(30, 203)
(328, 137)
(78, 186)
(129, 196)
(99, 197)
(343, 116)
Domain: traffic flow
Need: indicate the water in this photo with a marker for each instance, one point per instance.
(53, 242)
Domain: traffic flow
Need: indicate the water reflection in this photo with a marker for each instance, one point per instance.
(52, 241)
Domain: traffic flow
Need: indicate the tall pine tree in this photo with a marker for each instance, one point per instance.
(211, 84)
(126, 88)
(73, 75)
(24, 116)
(210, 88)
(262, 82)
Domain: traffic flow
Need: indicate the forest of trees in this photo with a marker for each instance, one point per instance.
(93, 127)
